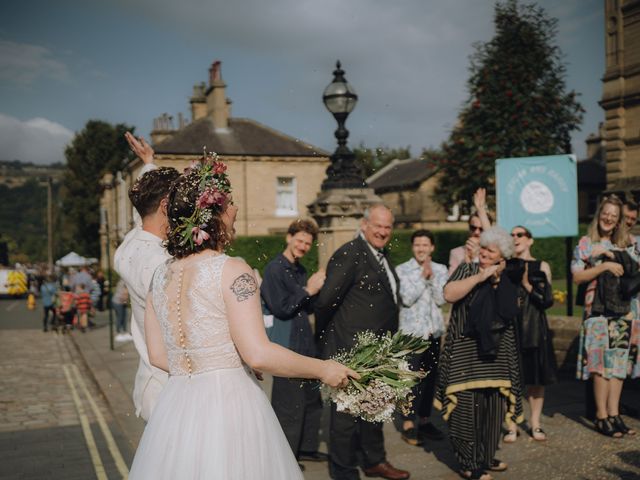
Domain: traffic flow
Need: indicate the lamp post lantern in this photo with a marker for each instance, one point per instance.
(340, 99)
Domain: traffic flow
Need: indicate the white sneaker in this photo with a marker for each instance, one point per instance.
(120, 337)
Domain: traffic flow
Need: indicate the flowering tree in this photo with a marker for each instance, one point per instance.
(517, 106)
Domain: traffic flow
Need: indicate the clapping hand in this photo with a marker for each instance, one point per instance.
(471, 249)
(316, 281)
(140, 147)
(427, 271)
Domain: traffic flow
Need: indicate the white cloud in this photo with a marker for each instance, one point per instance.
(38, 140)
(22, 63)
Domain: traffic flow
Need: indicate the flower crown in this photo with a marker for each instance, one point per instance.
(209, 177)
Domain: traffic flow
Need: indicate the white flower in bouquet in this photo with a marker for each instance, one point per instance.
(385, 377)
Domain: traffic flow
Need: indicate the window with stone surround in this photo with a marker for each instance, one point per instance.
(286, 197)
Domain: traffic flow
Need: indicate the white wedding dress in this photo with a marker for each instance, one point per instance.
(212, 420)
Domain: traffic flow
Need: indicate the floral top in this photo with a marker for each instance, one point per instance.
(582, 260)
(420, 314)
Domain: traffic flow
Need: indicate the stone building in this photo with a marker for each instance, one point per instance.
(274, 176)
(407, 186)
(621, 95)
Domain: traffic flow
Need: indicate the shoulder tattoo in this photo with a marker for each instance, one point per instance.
(244, 287)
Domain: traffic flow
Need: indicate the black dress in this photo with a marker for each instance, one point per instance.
(534, 340)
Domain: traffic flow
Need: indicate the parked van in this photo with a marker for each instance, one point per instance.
(13, 283)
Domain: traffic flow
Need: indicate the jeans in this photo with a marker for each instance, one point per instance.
(121, 316)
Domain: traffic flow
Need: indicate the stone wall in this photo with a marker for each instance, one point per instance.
(565, 332)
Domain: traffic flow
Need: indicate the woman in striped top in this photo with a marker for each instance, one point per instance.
(479, 377)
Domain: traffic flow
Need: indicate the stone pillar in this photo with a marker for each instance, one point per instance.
(338, 212)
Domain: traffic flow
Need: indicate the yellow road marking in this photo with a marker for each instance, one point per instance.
(111, 443)
(86, 429)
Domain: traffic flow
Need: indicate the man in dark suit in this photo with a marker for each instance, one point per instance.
(360, 293)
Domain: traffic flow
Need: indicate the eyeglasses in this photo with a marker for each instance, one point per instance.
(520, 234)
(473, 228)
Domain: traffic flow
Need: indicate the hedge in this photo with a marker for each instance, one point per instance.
(259, 250)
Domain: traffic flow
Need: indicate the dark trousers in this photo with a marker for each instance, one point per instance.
(350, 436)
(45, 320)
(424, 391)
(298, 406)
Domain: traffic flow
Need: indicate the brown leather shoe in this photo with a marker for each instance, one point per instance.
(386, 470)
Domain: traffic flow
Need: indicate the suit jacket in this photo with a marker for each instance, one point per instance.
(356, 296)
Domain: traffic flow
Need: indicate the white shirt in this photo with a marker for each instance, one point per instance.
(379, 258)
(135, 260)
(420, 314)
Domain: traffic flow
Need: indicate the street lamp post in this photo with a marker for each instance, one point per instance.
(340, 99)
(344, 194)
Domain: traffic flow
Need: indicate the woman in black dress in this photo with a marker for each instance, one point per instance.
(479, 381)
(534, 341)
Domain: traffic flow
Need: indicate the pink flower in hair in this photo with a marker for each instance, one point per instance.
(219, 198)
(206, 199)
(199, 235)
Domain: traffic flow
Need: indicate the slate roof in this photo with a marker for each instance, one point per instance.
(243, 137)
(400, 175)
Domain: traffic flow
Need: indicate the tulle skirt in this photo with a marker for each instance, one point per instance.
(215, 425)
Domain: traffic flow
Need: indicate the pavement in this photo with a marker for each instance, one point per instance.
(66, 413)
(573, 449)
(54, 421)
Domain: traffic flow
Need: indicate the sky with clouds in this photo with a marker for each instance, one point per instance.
(65, 62)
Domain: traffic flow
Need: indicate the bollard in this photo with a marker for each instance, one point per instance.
(31, 301)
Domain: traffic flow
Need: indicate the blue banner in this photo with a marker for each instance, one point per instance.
(540, 193)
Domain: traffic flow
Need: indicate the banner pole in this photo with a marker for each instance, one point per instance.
(567, 249)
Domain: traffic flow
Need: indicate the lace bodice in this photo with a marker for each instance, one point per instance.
(187, 298)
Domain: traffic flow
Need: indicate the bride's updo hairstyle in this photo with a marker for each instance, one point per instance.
(197, 200)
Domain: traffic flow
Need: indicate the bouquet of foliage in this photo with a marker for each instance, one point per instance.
(385, 377)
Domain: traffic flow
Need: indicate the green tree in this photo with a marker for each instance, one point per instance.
(373, 159)
(99, 148)
(517, 106)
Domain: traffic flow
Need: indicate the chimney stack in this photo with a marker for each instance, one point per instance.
(198, 102)
(217, 107)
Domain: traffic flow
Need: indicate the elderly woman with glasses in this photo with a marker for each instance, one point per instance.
(534, 342)
(479, 381)
(610, 333)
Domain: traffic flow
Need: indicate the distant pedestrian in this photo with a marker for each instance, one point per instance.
(66, 307)
(101, 284)
(83, 306)
(119, 302)
(48, 291)
(83, 277)
(421, 289)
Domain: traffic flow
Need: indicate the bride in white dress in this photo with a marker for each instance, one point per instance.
(203, 325)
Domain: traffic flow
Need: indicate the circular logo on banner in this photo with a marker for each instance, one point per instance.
(536, 197)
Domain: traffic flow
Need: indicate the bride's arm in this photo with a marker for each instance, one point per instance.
(242, 299)
(153, 338)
